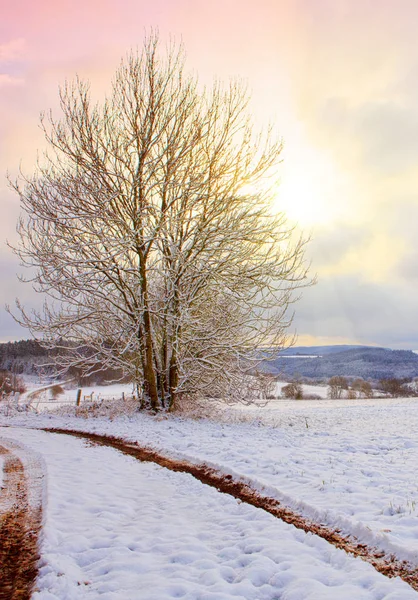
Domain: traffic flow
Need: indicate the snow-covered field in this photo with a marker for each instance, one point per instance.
(97, 392)
(112, 521)
(316, 390)
(41, 398)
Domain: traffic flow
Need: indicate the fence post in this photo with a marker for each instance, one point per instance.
(77, 402)
(123, 396)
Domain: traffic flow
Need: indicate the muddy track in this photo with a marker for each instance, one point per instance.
(19, 530)
(386, 564)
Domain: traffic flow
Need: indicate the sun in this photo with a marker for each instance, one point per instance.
(311, 190)
(301, 200)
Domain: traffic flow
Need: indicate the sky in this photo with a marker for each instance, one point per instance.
(337, 78)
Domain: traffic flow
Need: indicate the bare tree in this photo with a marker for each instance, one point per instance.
(364, 388)
(149, 225)
(293, 390)
(336, 387)
(396, 388)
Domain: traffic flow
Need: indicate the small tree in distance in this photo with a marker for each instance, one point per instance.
(293, 390)
(149, 225)
(10, 383)
(363, 388)
(394, 387)
(336, 387)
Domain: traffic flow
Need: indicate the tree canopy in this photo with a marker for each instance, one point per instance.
(149, 226)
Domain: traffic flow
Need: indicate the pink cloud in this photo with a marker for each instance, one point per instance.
(9, 80)
(12, 50)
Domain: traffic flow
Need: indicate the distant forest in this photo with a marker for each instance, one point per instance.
(21, 357)
(368, 362)
(29, 357)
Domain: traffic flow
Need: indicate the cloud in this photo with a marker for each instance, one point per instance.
(10, 330)
(341, 78)
(384, 132)
(350, 308)
(7, 80)
(11, 289)
(408, 266)
(13, 50)
(331, 244)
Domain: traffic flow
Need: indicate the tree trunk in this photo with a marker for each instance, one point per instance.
(173, 378)
(150, 379)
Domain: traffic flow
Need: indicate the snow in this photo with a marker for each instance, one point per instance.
(349, 464)
(118, 529)
(114, 390)
(49, 402)
(98, 392)
(285, 356)
(35, 473)
(317, 390)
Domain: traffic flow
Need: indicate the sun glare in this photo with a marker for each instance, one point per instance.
(311, 191)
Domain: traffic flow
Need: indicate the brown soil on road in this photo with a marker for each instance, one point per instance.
(19, 530)
(386, 564)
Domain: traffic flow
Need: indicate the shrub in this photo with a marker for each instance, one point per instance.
(364, 388)
(336, 385)
(11, 383)
(395, 387)
(293, 390)
(56, 390)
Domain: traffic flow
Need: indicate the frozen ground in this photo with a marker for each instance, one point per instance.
(97, 391)
(317, 390)
(119, 529)
(349, 464)
(42, 399)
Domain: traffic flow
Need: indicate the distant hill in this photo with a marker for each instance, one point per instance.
(322, 362)
(320, 350)
(313, 362)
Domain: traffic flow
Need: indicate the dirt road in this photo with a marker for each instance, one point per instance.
(20, 524)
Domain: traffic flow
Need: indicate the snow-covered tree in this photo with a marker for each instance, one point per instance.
(336, 387)
(149, 225)
(293, 390)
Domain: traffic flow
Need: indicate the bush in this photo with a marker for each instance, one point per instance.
(336, 386)
(110, 409)
(364, 388)
(56, 390)
(293, 390)
(395, 388)
(10, 383)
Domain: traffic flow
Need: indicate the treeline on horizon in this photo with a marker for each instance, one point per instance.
(370, 363)
(29, 357)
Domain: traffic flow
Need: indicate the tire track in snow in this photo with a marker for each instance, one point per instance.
(20, 524)
(386, 564)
